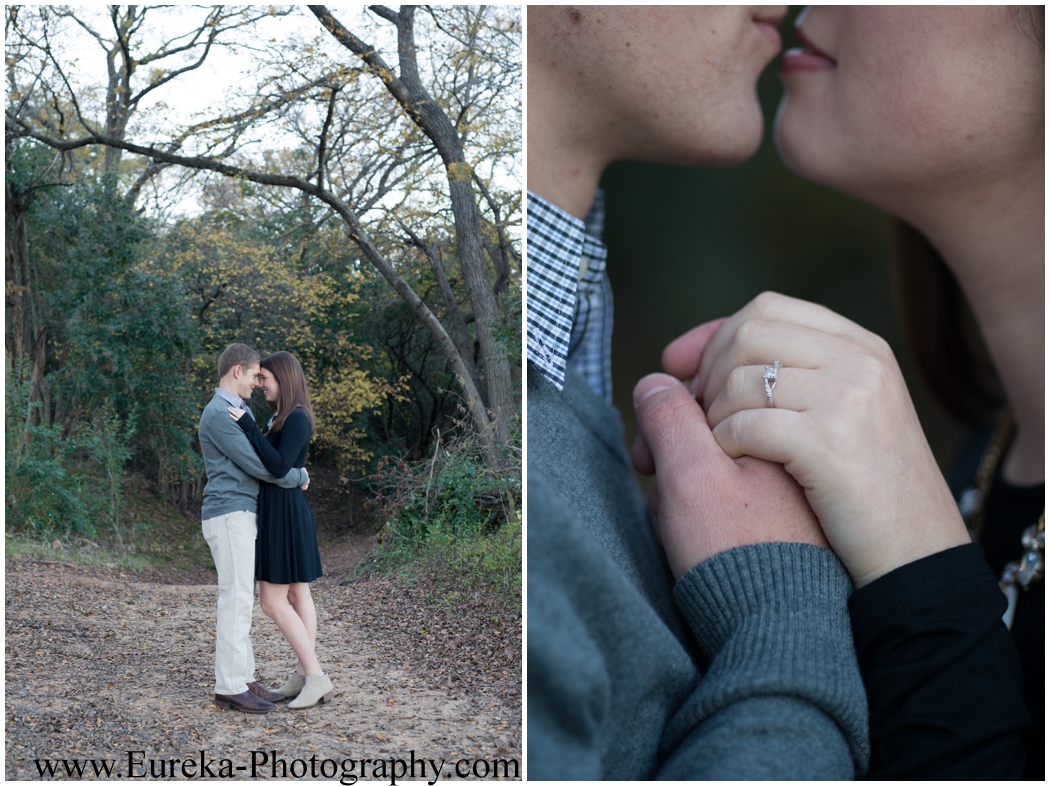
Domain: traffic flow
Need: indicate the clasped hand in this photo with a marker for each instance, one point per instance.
(843, 426)
(236, 414)
(703, 501)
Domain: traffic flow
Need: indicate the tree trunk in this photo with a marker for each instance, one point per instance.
(26, 340)
(474, 405)
(16, 261)
(437, 126)
(429, 117)
(455, 316)
(118, 91)
(42, 413)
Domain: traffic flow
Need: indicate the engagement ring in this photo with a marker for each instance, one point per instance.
(770, 380)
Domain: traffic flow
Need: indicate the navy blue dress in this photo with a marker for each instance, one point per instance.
(286, 547)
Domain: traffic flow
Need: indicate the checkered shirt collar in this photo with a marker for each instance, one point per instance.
(569, 299)
(235, 401)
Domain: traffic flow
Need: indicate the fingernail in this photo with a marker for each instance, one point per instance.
(653, 383)
(694, 385)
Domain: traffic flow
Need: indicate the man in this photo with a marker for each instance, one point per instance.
(231, 500)
(744, 668)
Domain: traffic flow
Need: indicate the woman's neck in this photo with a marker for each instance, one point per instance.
(995, 247)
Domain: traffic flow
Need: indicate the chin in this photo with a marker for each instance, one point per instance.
(742, 147)
(730, 143)
(787, 138)
(803, 149)
(741, 139)
(821, 158)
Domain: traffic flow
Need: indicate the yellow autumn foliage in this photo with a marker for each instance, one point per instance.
(242, 287)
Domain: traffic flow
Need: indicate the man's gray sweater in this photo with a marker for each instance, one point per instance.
(744, 670)
(232, 465)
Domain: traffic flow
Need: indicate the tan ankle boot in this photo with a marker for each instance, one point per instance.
(318, 688)
(293, 686)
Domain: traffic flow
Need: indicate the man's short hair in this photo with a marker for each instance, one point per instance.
(236, 355)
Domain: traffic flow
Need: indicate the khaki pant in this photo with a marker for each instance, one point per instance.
(231, 538)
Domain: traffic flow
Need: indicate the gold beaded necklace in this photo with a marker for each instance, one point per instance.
(1026, 572)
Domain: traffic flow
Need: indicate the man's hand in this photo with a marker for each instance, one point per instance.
(705, 502)
(306, 475)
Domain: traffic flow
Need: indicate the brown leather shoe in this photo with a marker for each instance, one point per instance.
(245, 702)
(265, 693)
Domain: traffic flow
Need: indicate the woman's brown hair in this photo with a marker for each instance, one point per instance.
(941, 330)
(292, 393)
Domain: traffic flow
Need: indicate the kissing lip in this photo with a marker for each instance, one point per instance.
(801, 35)
(773, 18)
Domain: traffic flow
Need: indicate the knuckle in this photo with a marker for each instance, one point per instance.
(881, 346)
(862, 364)
(736, 384)
(662, 411)
(767, 301)
(733, 429)
(750, 330)
(875, 372)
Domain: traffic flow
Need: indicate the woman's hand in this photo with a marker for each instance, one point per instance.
(235, 413)
(842, 424)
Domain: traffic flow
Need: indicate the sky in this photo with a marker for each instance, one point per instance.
(209, 90)
(198, 94)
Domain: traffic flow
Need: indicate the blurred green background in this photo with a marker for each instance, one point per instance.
(690, 245)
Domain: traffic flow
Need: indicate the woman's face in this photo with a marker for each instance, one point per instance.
(895, 103)
(268, 383)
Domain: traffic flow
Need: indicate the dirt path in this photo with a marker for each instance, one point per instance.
(99, 664)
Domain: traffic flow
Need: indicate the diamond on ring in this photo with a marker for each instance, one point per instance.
(770, 380)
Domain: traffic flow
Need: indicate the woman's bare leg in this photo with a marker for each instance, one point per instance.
(303, 603)
(274, 601)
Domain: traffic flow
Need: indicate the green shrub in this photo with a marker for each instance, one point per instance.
(454, 510)
(43, 496)
(57, 484)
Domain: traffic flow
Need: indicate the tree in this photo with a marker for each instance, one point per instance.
(242, 283)
(169, 58)
(119, 336)
(367, 140)
(39, 85)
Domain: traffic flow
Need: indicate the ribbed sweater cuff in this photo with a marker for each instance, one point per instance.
(773, 619)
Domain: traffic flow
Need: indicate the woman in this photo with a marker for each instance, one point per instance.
(286, 555)
(936, 115)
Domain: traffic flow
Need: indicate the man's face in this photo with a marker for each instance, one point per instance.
(674, 84)
(246, 379)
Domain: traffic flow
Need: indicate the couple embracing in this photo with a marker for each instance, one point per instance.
(259, 526)
(800, 598)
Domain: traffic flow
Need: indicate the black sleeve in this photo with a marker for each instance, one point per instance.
(282, 458)
(941, 671)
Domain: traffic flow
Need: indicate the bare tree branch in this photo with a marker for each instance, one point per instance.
(355, 232)
(324, 137)
(414, 99)
(388, 14)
